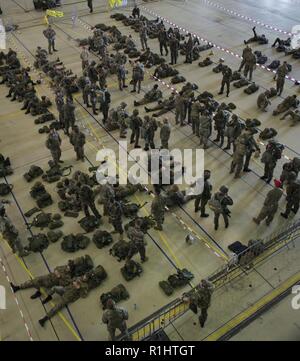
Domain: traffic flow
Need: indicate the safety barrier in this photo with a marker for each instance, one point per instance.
(222, 276)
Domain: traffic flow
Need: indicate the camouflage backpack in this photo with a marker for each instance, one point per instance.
(5, 189)
(81, 265)
(54, 236)
(130, 210)
(37, 190)
(38, 242)
(72, 243)
(120, 250)
(102, 239)
(44, 200)
(118, 293)
(147, 223)
(131, 270)
(96, 277)
(89, 224)
(181, 278)
(42, 220)
(54, 224)
(34, 172)
(166, 287)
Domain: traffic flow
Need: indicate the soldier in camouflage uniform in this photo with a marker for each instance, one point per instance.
(150, 127)
(135, 125)
(158, 211)
(53, 144)
(77, 139)
(203, 198)
(151, 96)
(115, 318)
(122, 116)
(195, 117)
(69, 115)
(180, 108)
(282, 72)
(115, 217)
(143, 36)
(165, 132)
(205, 128)
(136, 235)
(59, 101)
(87, 199)
(292, 198)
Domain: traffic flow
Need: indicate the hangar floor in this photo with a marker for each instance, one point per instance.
(167, 250)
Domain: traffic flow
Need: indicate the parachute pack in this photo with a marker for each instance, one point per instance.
(5, 189)
(38, 242)
(102, 239)
(118, 294)
(120, 250)
(177, 280)
(34, 172)
(89, 224)
(72, 243)
(131, 270)
(81, 265)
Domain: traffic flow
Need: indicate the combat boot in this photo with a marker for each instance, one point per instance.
(47, 299)
(43, 320)
(14, 287)
(36, 295)
(284, 215)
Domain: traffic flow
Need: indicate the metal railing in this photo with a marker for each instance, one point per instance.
(238, 266)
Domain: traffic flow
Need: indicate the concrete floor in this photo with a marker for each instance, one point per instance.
(20, 140)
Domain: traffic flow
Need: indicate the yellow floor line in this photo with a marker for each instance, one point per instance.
(253, 309)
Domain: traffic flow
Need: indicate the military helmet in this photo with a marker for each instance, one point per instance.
(135, 112)
(224, 189)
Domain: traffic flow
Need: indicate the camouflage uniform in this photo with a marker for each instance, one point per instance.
(201, 298)
(11, 235)
(53, 144)
(205, 129)
(115, 318)
(115, 217)
(195, 114)
(77, 139)
(165, 133)
(270, 206)
(87, 199)
(158, 212)
(282, 71)
(137, 237)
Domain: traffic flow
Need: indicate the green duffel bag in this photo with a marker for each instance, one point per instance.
(166, 287)
(5, 189)
(54, 236)
(41, 220)
(38, 242)
(102, 239)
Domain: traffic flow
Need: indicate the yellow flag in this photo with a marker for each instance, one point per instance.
(54, 13)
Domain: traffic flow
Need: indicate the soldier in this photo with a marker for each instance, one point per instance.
(69, 115)
(87, 198)
(189, 49)
(59, 101)
(115, 318)
(289, 102)
(195, 117)
(245, 55)
(53, 143)
(107, 196)
(180, 108)
(261, 39)
(164, 106)
(77, 139)
(238, 155)
(102, 75)
(115, 217)
(282, 72)
(295, 115)
(203, 198)
(292, 198)
(135, 12)
(150, 127)
(163, 41)
(50, 34)
(250, 64)
(205, 128)
(269, 158)
(143, 35)
(105, 103)
(263, 101)
(84, 56)
(137, 76)
(152, 95)
(220, 124)
(158, 211)
(270, 206)
(93, 97)
(122, 116)
(290, 170)
(136, 235)
(69, 294)
(233, 131)
(221, 201)
(201, 297)
(90, 5)
(92, 72)
(251, 147)
(174, 46)
(135, 125)
(121, 72)
(227, 75)
(61, 276)
(10, 233)
(165, 132)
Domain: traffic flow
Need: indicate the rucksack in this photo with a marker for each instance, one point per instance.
(118, 293)
(130, 210)
(147, 223)
(274, 65)
(42, 220)
(178, 79)
(268, 133)
(251, 89)
(96, 277)
(81, 265)
(166, 287)
(34, 172)
(54, 236)
(102, 239)
(257, 246)
(5, 189)
(31, 212)
(181, 278)
(215, 205)
(72, 243)
(38, 242)
(44, 200)
(131, 270)
(89, 224)
(120, 250)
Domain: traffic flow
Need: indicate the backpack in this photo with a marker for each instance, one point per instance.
(268, 133)
(215, 205)
(42, 220)
(274, 65)
(166, 287)
(251, 89)
(147, 223)
(120, 250)
(96, 277)
(44, 200)
(72, 243)
(102, 239)
(118, 293)
(131, 270)
(31, 212)
(54, 236)
(178, 79)
(89, 224)
(81, 265)
(181, 278)
(34, 172)
(38, 242)
(130, 210)
(5, 189)
(257, 246)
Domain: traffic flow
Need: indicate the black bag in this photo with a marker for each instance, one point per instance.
(251, 89)
(34, 172)
(166, 287)
(54, 236)
(96, 277)
(38, 242)
(72, 243)
(118, 293)
(44, 200)
(5, 189)
(237, 247)
(274, 65)
(131, 270)
(42, 220)
(181, 278)
(55, 224)
(89, 224)
(81, 265)
(120, 250)
(102, 239)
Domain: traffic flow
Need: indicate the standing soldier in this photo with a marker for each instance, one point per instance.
(136, 235)
(53, 144)
(115, 217)
(87, 198)
(137, 76)
(282, 72)
(121, 72)
(219, 204)
(84, 56)
(59, 101)
(189, 49)
(203, 198)
(165, 132)
(135, 125)
(220, 124)
(10, 233)
(201, 297)
(180, 108)
(69, 294)
(252, 147)
(93, 97)
(174, 46)
(122, 116)
(77, 139)
(90, 5)
(158, 211)
(105, 103)
(270, 206)
(135, 12)
(195, 116)
(69, 115)
(292, 198)
(143, 36)
(115, 318)
(233, 131)
(269, 158)
(150, 127)
(50, 34)
(163, 41)
(250, 64)
(227, 75)
(239, 154)
(205, 128)
(245, 55)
